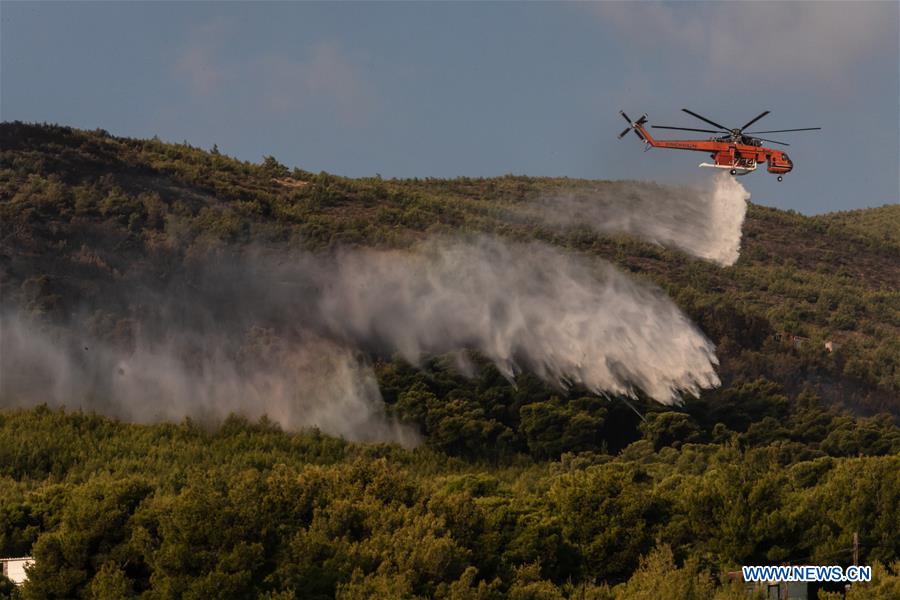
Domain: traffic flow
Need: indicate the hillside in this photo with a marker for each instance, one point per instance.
(878, 226)
(83, 212)
(529, 490)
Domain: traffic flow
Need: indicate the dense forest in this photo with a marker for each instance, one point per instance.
(523, 491)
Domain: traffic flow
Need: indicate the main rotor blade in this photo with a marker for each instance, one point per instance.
(622, 112)
(621, 135)
(773, 141)
(693, 114)
(687, 129)
(760, 116)
(783, 130)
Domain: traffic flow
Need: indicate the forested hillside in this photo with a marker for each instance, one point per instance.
(527, 490)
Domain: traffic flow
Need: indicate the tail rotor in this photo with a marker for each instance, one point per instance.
(632, 126)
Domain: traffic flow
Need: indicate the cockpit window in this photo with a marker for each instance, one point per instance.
(784, 157)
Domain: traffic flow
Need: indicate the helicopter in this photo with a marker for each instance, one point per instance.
(734, 149)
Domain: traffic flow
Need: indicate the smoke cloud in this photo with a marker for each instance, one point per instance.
(297, 383)
(529, 306)
(705, 222)
(289, 336)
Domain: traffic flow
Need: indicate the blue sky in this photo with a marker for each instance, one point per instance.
(435, 89)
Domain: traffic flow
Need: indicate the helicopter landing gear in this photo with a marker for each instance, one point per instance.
(780, 178)
(734, 171)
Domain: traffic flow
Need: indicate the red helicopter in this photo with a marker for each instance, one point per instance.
(733, 149)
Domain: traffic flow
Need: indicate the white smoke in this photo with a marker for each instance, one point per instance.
(705, 222)
(287, 336)
(206, 376)
(569, 320)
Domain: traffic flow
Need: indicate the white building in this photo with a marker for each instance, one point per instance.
(14, 568)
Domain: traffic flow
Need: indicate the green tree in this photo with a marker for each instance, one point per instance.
(670, 429)
(659, 577)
